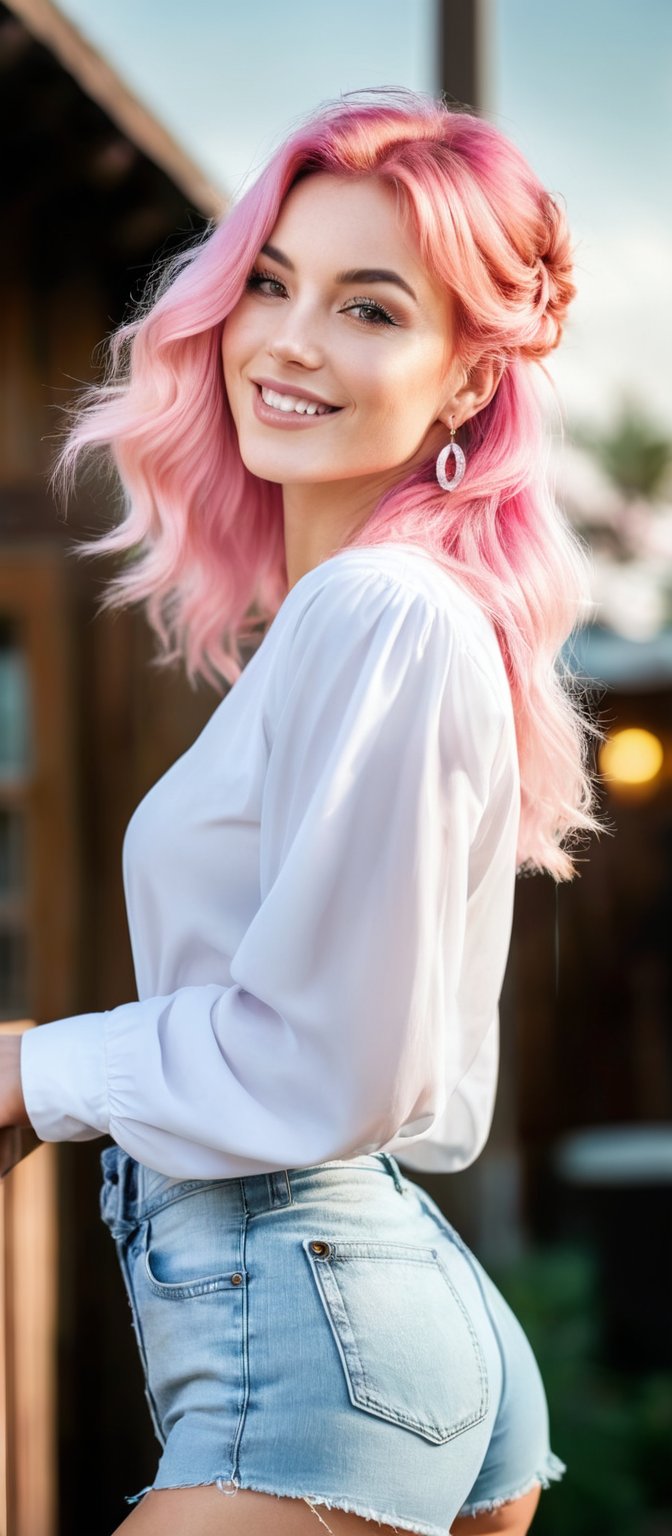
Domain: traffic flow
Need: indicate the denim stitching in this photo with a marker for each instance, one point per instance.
(348, 1349)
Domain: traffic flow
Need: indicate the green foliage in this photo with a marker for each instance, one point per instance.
(635, 453)
(614, 1432)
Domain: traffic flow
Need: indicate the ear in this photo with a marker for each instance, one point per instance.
(473, 394)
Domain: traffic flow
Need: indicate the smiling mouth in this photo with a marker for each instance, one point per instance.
(275, 414)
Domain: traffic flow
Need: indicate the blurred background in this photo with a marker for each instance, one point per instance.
(125, 126)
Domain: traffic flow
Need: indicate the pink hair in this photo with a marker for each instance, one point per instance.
(208, 535)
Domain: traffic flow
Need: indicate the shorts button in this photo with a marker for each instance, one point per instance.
(322, 1248)
(236, 1279)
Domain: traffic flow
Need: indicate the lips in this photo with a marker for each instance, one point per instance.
(289, 420)
(291, 389)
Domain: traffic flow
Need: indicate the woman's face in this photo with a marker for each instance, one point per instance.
(362, 343)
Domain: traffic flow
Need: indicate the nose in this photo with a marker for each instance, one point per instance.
(294, 340)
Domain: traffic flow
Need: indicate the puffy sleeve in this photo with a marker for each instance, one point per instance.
(336, 1025)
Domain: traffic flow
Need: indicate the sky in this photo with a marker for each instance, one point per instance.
(585, 90)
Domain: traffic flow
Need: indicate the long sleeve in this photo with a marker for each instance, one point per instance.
(340, 1018)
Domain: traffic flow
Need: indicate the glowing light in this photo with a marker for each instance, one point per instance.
(632, 756)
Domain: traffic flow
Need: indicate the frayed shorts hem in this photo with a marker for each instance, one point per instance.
(552, 1471)
(349, 1506)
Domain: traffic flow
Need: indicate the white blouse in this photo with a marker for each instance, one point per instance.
(320, 898)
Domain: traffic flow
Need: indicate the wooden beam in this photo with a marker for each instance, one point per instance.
(28, 1329)
(465, 33)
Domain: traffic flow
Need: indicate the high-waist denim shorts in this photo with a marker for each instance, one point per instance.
(325, 1334)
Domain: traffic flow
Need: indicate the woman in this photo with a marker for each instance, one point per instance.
(320, 890)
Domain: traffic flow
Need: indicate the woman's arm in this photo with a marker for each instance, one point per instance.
(339, 1025)
(12, 1103)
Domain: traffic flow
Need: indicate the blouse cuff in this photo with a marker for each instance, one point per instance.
(64, 1078)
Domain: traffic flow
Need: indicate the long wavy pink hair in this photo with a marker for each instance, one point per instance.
(207, 535)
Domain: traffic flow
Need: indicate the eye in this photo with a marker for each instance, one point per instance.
(381, 315)
(256, 279)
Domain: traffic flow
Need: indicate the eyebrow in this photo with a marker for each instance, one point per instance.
(355, 275)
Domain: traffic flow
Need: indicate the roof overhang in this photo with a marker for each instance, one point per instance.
(94, 75)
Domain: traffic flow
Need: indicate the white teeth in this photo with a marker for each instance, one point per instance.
(292, 403)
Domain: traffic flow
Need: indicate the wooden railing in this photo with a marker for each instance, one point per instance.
(28, 1329)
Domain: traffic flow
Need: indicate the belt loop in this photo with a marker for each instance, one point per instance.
(394, 1169)
(130, 1190)
(119, 1205)
(279, 1188)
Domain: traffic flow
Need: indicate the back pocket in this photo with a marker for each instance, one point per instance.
(409, 1350)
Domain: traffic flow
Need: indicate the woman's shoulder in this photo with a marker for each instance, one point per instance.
(362, 582)
(404, 566)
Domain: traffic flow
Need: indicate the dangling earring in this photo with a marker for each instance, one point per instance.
(460, 464)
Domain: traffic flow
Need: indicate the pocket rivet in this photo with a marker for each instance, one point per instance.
(236, 1279)
(321, 1248)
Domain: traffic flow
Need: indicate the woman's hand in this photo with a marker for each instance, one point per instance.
(12, 1104)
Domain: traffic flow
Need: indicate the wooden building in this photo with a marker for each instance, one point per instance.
(93, 190)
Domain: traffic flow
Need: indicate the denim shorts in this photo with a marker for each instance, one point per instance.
(324, 1333)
